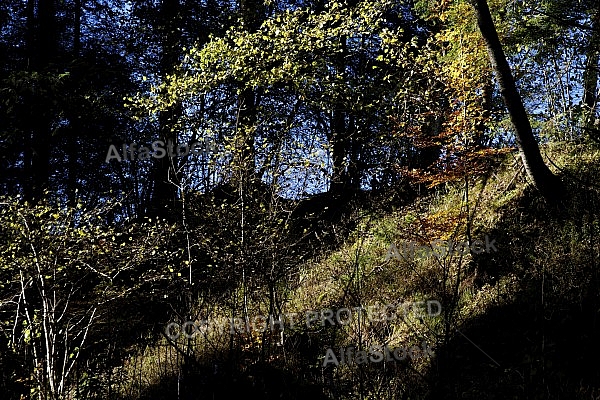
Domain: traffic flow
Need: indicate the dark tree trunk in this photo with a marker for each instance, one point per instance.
(338, 142)
(246, 154)
(164, 198)
(590, 79)
(76, 126)
(345, 173)
(543, 179)
(253, 14)
(42, 46)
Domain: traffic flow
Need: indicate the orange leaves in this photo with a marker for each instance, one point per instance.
(454, 166)
(442, 223)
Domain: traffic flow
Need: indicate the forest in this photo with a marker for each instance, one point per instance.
(300, 199)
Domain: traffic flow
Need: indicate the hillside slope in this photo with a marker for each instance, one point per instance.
(512, 316)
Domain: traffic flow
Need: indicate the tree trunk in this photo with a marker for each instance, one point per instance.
(543, 179)
(590, 79)
(164, 198)
(73, 169)
(42, 46)
(338, 140)
(245, 159)
(253, 14)
(344, 174)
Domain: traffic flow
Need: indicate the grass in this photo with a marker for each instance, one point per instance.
(508, 316)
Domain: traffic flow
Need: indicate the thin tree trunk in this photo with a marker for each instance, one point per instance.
(543, 179)
(338, 142)
(245, 143)
(339, 136)
(253, 14)
(76, 125)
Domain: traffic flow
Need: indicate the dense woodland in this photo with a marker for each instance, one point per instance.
(167, 163)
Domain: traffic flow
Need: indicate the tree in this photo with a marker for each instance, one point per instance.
(252, 15)
(62, 270)
(42, 46)
(543, 179)
(590, 77)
